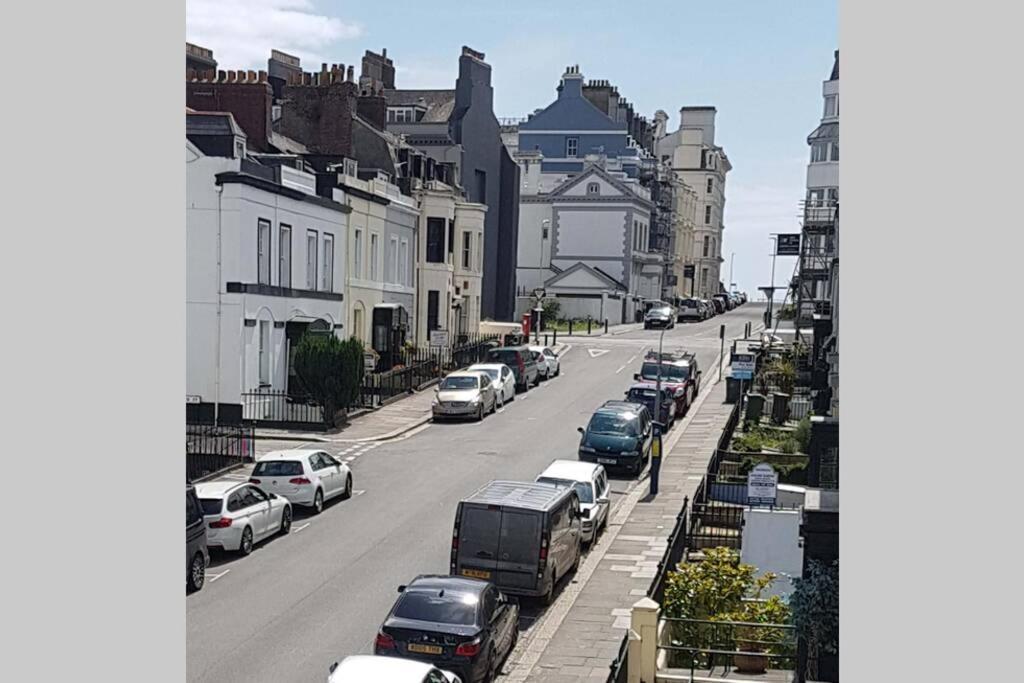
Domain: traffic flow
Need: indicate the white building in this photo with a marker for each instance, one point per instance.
(584, 238)
(702, 165)
(265, 262)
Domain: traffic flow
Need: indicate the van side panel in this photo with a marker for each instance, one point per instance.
(519, 549)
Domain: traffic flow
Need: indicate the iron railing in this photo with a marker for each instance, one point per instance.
(210, 449)
(278, 409)
(713, 644)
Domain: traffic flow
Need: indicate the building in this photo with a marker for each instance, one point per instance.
(701, 164)
(818, 277)
(199, 58)
(266, 262)
(458, 126)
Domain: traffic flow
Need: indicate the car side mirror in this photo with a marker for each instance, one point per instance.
(333, 668)
(604, 500)
(580, 430)
(401, 589)
(273, 496)
(636, 376)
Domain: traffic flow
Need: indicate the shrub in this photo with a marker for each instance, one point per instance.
(330, 369)
(815, 606)
(550, 310)
(802, 434)
(789, 446)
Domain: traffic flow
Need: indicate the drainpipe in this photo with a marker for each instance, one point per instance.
(216, 377)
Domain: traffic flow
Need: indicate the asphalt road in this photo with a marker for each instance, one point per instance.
(303, 601)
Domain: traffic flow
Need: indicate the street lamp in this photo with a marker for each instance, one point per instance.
(545, 225)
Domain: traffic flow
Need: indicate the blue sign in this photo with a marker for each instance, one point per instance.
(743, 374)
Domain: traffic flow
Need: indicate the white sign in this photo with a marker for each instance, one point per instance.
(439, 338)
(762, 483)
(193, 399)
(743, 362)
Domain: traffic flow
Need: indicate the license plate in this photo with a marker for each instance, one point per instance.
(425, 649)
(607, 461)
(476, 573)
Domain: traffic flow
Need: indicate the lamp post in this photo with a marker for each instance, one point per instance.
(656, 455)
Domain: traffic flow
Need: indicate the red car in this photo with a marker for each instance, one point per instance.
(679, 372)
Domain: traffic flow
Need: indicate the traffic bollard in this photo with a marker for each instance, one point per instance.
(554, 339)
(606, 325)
(590, 325)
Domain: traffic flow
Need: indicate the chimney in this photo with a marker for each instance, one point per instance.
(317, 109)
(245, 94)
(699, 118)
(572, 82)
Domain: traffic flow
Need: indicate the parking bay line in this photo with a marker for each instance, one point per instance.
(300, 528)
(217, 576)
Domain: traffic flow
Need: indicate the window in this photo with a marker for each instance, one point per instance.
(707, 244)
(256, 495)
(711, 185)
(451, 236)
(713, 245)
(235, 502)
(430, 606)
(392, 274)
(403, 260)
(277, 468)
(374, 256)
(593, 189)
(284, 256)
(263, 252)
(435, 240)
(311, 259)
(357, 323)
(703, 277)
(328, 268)
(835, 151)
(264, 353)
(479, 252)
(707, 215)
(467, 245)
(357, 255)
(572, 147)
(830, 105)
(433, 305)
(819, 152)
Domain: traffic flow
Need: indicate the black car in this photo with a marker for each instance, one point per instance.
(718, 304)
(197, 556)
(618, 436)
(644, 393)
(661, 315)
(462, 625)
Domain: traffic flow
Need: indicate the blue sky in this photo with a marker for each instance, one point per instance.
(760, 62)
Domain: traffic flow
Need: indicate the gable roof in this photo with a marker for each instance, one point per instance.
(596, 273)
(571, 111)
(594, 170)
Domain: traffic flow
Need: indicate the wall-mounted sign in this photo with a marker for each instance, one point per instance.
(688, 271)
(439, 338)
(787, 245)
(193, 399)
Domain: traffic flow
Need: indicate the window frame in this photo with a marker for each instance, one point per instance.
(312, 246)
(593, 189)
(707, 214)
(572, 147)
(327, 271)
(263, 353)
(393, 261)
(263, 251)
(403, 262)
(467, 250)
(374, 256)
(284, 263)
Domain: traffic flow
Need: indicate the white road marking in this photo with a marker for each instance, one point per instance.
(594, 353)
(631, 358)
(300, 528)
(350, 458)
(358, 492)
(217, 576)
(620, 369)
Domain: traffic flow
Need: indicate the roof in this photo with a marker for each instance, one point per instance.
(371, 147)
(290, 454)
(369, 667)
(439, 103)
(824, 131)
(216, 488)
(580, 265)
(211, 123)
(520, 494)
(576, 470)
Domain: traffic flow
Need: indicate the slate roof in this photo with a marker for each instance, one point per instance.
(370, 147)
(439, 103)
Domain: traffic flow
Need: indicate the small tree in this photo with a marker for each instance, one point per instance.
(551, 309)
(331, 370)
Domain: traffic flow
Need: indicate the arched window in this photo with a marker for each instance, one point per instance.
(593, 189)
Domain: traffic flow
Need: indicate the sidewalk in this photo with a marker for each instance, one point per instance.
(581, 639)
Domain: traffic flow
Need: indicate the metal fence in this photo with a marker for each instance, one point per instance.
(715, 524)
(713, 644)
(283, 410)
(211, 449)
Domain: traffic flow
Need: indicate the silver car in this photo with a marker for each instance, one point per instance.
(465, 394)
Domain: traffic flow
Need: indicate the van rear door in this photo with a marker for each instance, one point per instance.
(477, 554)
(519, 549)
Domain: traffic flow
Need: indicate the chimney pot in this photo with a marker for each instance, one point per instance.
(307, 78)
(252, 76)
(384, 52)
(351, 74)
(263, 76)
(222, 77)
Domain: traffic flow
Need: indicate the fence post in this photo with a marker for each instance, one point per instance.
(545, 339)
(642, 660)
(554, 340)
(606, 325)
(590, 325)
(570, 327)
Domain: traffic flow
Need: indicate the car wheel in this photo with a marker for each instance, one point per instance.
(558, 371)
(286, 519)
(318, 502)
(348, 488)
(549, 597)
(197, 573)
(490, 671)
(480, 412)
(579, 555)
(245, 546)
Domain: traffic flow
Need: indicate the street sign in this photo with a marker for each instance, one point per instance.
(439, 338)
(688, 271)
(762, 484)
(193, 399)
(742, 365)
(788, 245)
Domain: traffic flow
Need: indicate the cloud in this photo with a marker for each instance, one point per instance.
(241, 33)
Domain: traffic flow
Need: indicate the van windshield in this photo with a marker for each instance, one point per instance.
(583, 488)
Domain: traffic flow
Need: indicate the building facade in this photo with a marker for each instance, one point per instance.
(266, 261)
(702, 165)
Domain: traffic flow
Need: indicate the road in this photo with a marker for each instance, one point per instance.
(303, 601)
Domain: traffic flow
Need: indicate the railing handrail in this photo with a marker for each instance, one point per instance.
(724, 622)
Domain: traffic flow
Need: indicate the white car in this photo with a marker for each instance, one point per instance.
(502, 379)
(370, 668)
(239, 515)
(551, 367)
(304, 477)
(591, 483)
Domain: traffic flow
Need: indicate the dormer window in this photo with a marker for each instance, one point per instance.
(593, 189)
(350, 167)
(239, 148)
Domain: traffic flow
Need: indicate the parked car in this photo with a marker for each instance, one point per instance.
(683, 372)
(690, 309)
(523, 537)
(645, 394)
(618, 436)
(369, 669)
(542, 364)
(239, 514)
(591, 484)
(727, 303)
(718, 304)
(465, 394)
(303, 477)
(502, 380)
(660, 315)
(521, 361)
(197, 555)
(552, 366)
(464, 625)
(709, 308)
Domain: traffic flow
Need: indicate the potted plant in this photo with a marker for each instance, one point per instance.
(750, 640)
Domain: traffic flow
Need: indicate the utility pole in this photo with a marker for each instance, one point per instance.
(771, 295)
(732, 282)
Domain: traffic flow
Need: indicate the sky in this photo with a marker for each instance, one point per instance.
(761, 63)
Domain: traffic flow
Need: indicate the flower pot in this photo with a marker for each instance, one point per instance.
(749, 663)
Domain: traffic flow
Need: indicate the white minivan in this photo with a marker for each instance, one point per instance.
(304, 477)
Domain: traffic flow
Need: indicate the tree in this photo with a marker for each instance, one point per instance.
(551, 309)
(331, 370)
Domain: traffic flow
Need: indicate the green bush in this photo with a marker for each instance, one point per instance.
(789, 446)
(815, 606)
(802, 434)
(331, 370)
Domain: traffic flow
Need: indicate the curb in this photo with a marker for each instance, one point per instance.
(393, 433)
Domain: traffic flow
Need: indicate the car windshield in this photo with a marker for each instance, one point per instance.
(211, 506)
(583, 488)
(661, 310)
(277, 468)
(491, 372)
(668, 371)
(458, 383)
(451, 608)
(613, 423)
(641, 395)
(506, 356)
